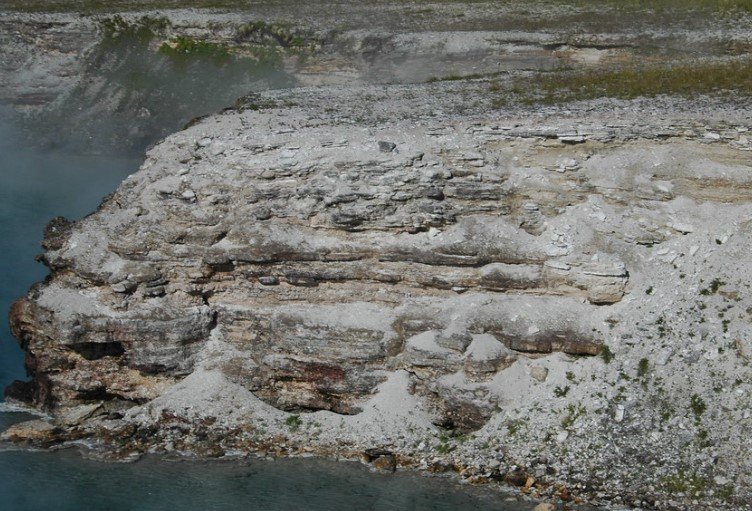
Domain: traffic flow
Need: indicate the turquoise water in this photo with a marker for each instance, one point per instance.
(64, 481)
(35, 187)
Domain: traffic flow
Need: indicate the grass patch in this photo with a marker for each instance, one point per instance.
(606, 354)
(643, 367)
(682, 482)
(630, 82)
(186, 47)
(574, 412)
(293, 422)
(698, 407)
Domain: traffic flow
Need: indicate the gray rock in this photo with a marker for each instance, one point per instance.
(387, 147)
(538, 372)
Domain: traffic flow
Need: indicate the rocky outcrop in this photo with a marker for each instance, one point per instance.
(321, 264)
(279, 279)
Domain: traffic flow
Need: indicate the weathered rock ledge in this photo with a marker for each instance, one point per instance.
(566, 309)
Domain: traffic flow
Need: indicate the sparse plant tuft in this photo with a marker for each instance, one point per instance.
(698, 406)
(293, 422)
(643, 367)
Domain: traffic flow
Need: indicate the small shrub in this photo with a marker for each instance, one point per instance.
(514, 426)
(606, 354)
(703, 438)
(293, 422)
(643, 367)
(574, 412)
(715, 285)
(698, 406)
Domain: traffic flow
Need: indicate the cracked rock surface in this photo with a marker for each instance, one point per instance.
(512, 299)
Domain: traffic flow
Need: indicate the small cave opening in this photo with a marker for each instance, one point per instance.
(96, 394)
(98, 350)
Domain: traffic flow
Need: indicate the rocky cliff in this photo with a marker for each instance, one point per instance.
(509, 298)
(552, 296)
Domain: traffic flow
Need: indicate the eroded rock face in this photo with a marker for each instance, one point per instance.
(322, 260)
(389, 283)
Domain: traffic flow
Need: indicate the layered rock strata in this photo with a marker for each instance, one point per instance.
(284, 279)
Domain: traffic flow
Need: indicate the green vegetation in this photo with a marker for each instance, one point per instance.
(514, 426)
(145, 25)
(681, 482)
(117, 31)
(698, 407)
(725, 492)
(263, 42)
(661, 327)
(643, 367)
(186, 47)
(293, 422)
(455, 77)
(715, 285)
(561, 391)
(104, 6)
(606, 354)
(630, 82)
(705, 5)
(444, 446)
(574, 412)
(703, 438)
